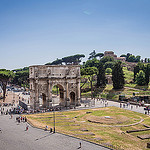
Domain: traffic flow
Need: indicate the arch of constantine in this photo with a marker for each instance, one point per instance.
(44, 77)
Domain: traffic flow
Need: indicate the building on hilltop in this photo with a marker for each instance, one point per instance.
(112, 54)
(123, 59)
(109, 53)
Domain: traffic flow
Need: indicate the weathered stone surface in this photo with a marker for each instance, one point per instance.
(88, 112)
(44, 77)
(98, 139)
(87, 134)
(75, 125)
(145, 136)
(130, 131)
(83, 129)
(147, 126)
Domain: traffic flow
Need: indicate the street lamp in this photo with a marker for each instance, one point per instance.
(54, 117)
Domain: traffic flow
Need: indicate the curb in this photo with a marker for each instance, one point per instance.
(70, 136)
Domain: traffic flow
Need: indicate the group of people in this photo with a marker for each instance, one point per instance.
(128, 105)
(21, 119)
(46, 128)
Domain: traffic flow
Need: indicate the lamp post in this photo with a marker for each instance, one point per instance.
(54, 117)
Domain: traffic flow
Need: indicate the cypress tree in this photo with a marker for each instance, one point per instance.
(136, 70)
(118, 76)
(101, 79)
(147, 72)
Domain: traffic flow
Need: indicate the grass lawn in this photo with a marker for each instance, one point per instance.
(129, 75)
(110, 93)
(92, 125)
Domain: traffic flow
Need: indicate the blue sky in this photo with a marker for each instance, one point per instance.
(35, 32)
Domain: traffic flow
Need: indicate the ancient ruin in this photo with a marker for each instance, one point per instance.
(44, 77)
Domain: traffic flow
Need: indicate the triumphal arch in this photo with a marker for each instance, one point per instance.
(44, 77)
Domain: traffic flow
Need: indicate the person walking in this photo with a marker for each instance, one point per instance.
(25, 119)
(120, 105)
(51, 130)
(27, 127)
(46, 127)
(80, 144)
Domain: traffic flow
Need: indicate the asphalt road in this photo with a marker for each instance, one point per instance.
(97, 104)
(14, 137)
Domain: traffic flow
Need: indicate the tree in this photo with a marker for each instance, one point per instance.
(92, 55)
(100, 55)
(106, 59)
(140, 78)
(101, 79)
(55, 62)
(137, 68)
(147, 73)
(118, 76)
(128, 54)
(5, 76)
(137, 58)
(123, 55)
(92, 63)
(109, 64)
(108, 70)
(90, 71)
(74, 59)
(131, 58)
(21, 77)
(77, 58)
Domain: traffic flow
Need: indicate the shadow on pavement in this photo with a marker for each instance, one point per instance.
(43, 137)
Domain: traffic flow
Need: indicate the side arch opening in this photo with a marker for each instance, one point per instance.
(72, 98)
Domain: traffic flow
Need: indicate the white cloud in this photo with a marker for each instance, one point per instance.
(87, 12)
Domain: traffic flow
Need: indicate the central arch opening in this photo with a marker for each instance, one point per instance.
(57, 94)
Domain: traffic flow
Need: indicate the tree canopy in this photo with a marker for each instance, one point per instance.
(21, 77)
(107, 59)
(5, 76)
(69, 60)
(140, 78)
(118, 76)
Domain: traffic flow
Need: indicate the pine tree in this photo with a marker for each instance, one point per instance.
(118, 76)
(101, 79)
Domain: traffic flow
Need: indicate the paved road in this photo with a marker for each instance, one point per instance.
(95, 104)
(14, 137)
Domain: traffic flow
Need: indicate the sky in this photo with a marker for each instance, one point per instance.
(35, 32)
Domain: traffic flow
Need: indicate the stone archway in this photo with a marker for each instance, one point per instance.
(44, 77)
(43, 100)
(72, 98)
(58, 94)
